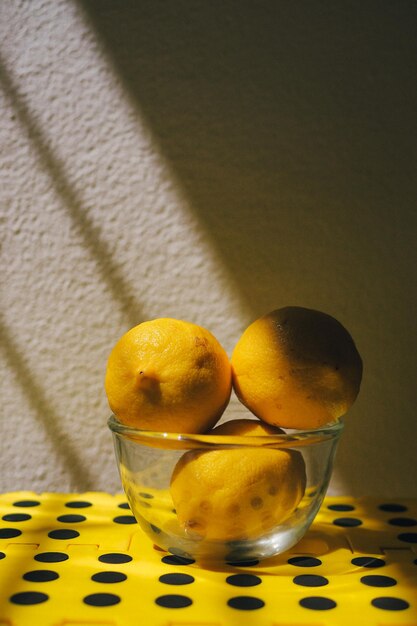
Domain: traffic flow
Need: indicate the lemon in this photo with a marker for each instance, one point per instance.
(296, 368)
(237, 493)
(168, 375)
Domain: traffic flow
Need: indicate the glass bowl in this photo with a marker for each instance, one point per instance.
(146, 462)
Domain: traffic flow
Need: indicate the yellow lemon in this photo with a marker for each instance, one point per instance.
(296, 368)
(237, 493)
(168, 375)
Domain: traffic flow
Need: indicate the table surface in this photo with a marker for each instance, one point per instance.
(81, 559)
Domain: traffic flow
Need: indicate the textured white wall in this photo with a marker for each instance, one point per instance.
(208, 161)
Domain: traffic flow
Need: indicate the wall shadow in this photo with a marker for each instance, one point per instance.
(78, 470)
(291, 129)
(110, 272)
(270, 114)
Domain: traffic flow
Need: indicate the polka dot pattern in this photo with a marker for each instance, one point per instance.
(109, 577)
(251, 563)
(41, 576)
(102, 599)
(402, 521)
(28, 597)
(63, 534)
(71, 519)
(393, 508)
(176, 579)
(172, 559)
(408, 537)
(304, 561)
(341, 507)
(311, 580)
(16, 517)
(243, 580)
(347, 522)
(390, 604)
(317, 603)
(68, 566)
(378, 581)
(125, 519)
(368, 561)
(115, 557)
(173, 601)
(9, 533)
(51, 557)
(245, 603)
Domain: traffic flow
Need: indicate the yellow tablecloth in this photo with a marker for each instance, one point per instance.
(80, 559)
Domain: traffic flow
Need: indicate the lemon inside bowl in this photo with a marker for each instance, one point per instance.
(225, 497)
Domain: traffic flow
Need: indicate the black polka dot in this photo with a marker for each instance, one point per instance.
(368, 561)
(9, 533)
(71, 519)
(124, 505)
(176, 579)
(173, 559)
(40, 576)
(16, 517)
(114, 557)
(101, 599)
(63, 533)
(393, 508)
(144, 504)
(144, 494)
(341, 507)
(348, 522)
(125, 519)
(378, 581)
(245, 603)
(108, 577)
(173, 601)
(304, 561)
(251, 563)
(310, 580)
(51, 557)
(78, 504)
(2, 555)
(243, 580)
(155, 529)
(179, 552)
(399, 521)
(317, 603)
(408, 537)
(29, 597)
(26, 503)
(390, 604)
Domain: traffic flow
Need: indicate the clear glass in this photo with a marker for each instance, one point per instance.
(146, 461)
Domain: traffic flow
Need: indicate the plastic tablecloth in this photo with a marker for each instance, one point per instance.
(81, 559)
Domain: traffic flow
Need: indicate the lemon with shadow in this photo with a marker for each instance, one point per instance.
(296, 368)
(237, 493)
(168, 375)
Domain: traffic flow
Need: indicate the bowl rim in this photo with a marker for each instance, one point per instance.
(289, 438)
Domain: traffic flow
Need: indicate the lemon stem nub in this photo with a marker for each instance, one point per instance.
(146, 379)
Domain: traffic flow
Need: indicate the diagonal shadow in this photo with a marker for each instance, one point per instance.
(74, 466)
(291, 130)
(110, 272)
(268, 113)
